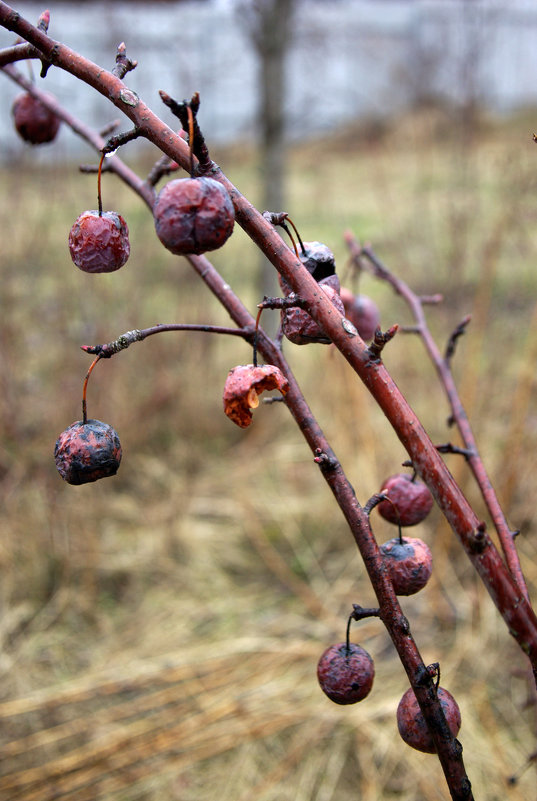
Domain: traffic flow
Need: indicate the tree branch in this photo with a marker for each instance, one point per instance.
(458, 413)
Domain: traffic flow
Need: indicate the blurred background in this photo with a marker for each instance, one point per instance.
(160, 630)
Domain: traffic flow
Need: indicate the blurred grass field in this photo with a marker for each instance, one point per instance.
(160, 630)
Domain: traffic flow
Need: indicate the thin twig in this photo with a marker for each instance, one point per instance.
(137, 335)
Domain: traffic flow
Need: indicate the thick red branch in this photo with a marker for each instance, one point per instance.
(458, 412)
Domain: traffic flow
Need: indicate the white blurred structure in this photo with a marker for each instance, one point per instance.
(350, 59)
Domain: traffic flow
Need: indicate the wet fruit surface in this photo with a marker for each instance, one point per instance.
(99, 243)
(410, 501)
(33, 121)
(410, 564)
(299, 327)
(318, 260)
(362, 312)
(193, 215)
(345, 675)
(411, 723)
(86, 452)
(243, 386)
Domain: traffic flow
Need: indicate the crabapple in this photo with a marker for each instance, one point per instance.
(34, 122)
(409, 501)
(319, 261)
(299, 327)
(193, 215)
(244, 384)
(86, 451)
(411, 723)
(409, 562)
(345, 673)
(362, 312)
(99, 242)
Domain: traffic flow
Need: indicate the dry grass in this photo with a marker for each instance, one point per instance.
(160, 631)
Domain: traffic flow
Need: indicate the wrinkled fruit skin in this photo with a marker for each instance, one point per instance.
(362, 312)
(346, 677)
(410, 564)
(410, 501)
(243, 386)
(33, 121)
(411, 723)
(193, 215)
(319, 261)
(99, 244)
(87, 451)
(299, 327)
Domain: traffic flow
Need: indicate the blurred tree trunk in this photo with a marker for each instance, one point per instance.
(270, 24)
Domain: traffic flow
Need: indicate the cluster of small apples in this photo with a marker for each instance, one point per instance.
(192, 216)
(299, 327)
(346, 671)
(408, 559)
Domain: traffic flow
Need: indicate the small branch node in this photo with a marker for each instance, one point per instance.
(123, 63)
(120, 139)
(452, 341)
(478, 538)
(430, 673)
(374, 501)
(404, 625)
(44, 21)
(380, 340)
(448, 447)
(361, 612)
(325, 462)
(198, 145)
(110, 348)
(275, 217)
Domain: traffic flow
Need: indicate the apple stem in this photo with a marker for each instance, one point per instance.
(99, 195)
(295, 229)
(347, 638)
(257, 319)
(290, 235)
(190, 114)
(358, 613)
(85, 389)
